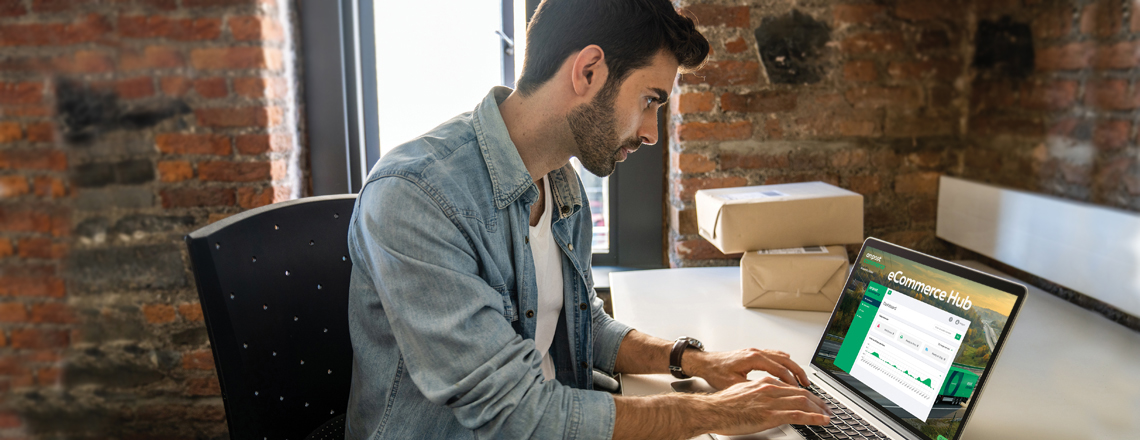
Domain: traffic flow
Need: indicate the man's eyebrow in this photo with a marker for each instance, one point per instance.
(662, 96)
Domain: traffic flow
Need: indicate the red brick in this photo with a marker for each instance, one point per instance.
(174, 170)
(89, 29)
(687, 188)
(691, 102)
(27, 111)
(194, 197)
(11, 131)
(211, 87)
(1102, 18)
(13, 312)
(1055, 95)
(261, 87)
(730, 161)
(53, 313)
(47, 186)
(857, 14)
(224, 171)
(41, 132)
(12, 8)
(158, 313)
(174, 85)
(250, 198)
(684, 222)
(236, 58)
(917, 183)
(873, 42)
(34, 219)
(859, 126)
(1111, 134)
(190, 311)
(1135, 18)
(10, 419)
(21, 93)
(905, 125)
(38, 159)
(700, 249)
(48, 376)
(692, 163)
(860, 71)
(758, 102)
(239, 116)
(176, 143)
(203, 386)
(945, 69)
(39, 338)
(253, 144)
(13, 186)
(159, 26)
(725, 73)
(152, 57)
(714, 131)
(849, 158)
(256, 28)
(198, 360)
(132, 88)
(715, 15)
(42, 248)
(736, 45)
(865, 185)
(1072, 56)
(215, 3)
(1012, 126)
(1055, 22)
(875, 97)
(1110, 94)
(773, 129)
(922, 10)
(1123, 55)
(6, 249)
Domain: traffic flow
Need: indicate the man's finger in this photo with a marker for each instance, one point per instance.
(795, 369)
(803, 418)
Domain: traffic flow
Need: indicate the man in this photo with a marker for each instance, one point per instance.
(472, 306)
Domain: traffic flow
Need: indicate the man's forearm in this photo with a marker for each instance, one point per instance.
(640, 353)
(667, 416)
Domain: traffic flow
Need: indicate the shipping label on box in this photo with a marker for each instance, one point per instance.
(779, 216)
(806, 278)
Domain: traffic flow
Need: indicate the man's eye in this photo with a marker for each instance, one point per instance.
(649, 101)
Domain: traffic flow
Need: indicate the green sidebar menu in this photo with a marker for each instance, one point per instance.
(868, 309)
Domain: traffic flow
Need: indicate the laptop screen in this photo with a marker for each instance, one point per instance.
(914, 339)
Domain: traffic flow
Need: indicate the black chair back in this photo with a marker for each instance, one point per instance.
(273, 283)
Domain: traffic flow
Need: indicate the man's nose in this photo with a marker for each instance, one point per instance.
(648, 130)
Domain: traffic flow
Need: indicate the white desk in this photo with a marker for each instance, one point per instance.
(1065, 372)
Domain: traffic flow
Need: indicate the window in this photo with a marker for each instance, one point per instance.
(391, 74)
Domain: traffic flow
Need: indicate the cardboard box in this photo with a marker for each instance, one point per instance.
(779, 216)
(807, 278)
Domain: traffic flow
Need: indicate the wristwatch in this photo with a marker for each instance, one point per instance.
(679, 349)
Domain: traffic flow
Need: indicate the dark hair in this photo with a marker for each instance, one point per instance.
(630, 32)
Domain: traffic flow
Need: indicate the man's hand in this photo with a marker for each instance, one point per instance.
(727, 368)
(753, 406)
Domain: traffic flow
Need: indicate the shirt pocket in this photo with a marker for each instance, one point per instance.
(509, 310)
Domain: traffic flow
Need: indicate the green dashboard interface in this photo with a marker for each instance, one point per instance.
(914, 339)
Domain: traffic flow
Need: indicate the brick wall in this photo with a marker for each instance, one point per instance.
(125, 124)
(884, 97)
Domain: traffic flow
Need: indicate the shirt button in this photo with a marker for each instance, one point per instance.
(526, 238)
(571, 246)
(565, 210)
(583, 306)
(584, 364)
(530, 313)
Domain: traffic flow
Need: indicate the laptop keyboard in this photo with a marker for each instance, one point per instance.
(844, 425)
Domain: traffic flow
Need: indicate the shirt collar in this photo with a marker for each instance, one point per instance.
(509, 177)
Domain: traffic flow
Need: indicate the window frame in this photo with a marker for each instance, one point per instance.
(339, 70)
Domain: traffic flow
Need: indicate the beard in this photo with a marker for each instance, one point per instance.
(594, 128)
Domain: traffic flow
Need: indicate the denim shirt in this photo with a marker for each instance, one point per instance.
(443, 294)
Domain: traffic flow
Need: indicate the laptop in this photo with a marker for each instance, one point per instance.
(908, 348)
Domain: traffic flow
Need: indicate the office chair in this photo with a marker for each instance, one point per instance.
(273, 283)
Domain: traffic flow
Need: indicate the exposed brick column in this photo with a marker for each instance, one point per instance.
(875, 104)
(123, 126)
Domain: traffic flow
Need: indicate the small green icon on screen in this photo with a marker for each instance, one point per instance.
(942, 438)
(958, 336)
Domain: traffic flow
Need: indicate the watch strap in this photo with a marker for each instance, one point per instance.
(678, 351)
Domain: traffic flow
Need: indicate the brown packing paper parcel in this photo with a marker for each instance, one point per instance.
(809, 278)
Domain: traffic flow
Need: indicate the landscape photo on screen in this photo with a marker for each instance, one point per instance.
(914, 339)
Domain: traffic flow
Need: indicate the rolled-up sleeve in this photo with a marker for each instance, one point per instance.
(607, 334)
(459, 348)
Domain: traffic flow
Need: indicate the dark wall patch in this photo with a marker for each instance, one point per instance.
(84, 113)
(1004, 48)
(791, 46)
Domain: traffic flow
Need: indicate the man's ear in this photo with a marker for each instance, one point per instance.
(590, 71)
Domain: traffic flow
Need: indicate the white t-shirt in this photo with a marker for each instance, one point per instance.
(548, 272)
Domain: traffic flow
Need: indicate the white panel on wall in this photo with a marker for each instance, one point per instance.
(1090, 249)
